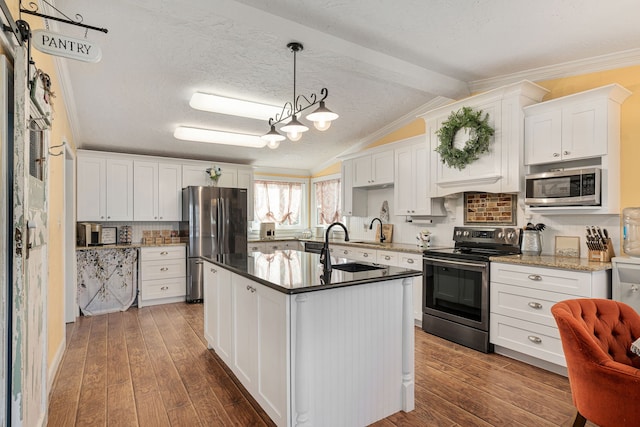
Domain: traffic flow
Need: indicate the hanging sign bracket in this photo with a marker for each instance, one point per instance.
(77, 21)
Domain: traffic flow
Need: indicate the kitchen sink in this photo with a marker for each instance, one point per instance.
(354, 267)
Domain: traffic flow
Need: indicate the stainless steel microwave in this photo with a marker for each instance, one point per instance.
(572, 187)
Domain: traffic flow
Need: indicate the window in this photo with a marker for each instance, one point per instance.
(280, 201)
(327, 201)
(36, 155)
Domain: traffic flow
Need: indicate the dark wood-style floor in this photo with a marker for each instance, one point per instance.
(151, 367)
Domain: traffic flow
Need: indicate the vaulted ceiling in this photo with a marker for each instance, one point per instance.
(383, 62)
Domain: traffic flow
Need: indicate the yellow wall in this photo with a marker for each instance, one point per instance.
(416, 127)
(60, 131)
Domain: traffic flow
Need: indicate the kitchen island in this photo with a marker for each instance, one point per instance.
(312, 348)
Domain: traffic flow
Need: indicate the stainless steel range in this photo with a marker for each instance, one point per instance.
(456, 284)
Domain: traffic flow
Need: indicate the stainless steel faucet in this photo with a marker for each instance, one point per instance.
(382, 236)
(325, 255)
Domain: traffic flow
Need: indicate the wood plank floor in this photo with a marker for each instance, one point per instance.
(151, 367)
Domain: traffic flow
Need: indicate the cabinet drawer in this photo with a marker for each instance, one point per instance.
(528, 338)
(413, 262)
(341, 252)
(151, 270)
(367, 255)
(162, 288)
(162, 252)
(531, 305)
(574, 283)
(256, 247)
(387, 258)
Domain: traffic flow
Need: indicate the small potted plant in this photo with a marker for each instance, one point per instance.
(214, 173)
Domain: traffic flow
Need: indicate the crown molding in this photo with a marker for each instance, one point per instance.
(566, 69)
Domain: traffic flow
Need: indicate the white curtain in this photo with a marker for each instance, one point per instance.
(278, 202)
(328, 201)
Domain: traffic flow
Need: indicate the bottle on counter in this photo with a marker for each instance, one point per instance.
(631, 231)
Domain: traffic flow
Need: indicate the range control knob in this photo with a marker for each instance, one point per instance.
(500, 235)
(458, 233)
(466, 234)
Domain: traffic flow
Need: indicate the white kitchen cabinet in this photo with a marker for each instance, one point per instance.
(157, 191)
(500, 169)
(411, 191)
(163, 271)
(260, 344)
(218, 318)
(245, 180)
(92, 188)
(354, 200)
(520, 306)
(373, 169)
(105, 188)
(577, 126)
(256, 247)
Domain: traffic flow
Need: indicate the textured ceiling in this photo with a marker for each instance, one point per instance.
(381, 60)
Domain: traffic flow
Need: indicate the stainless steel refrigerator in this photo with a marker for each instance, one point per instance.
(216, 219)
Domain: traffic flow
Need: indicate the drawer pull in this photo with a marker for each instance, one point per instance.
(164, 269)
(535, 305)
(213, 270)
(345, 252)
(535, 277)
(164, 288)
(387, 257)
(409, 261)
(251, 288)
(164, 253)
(366, 255)
(534, 339)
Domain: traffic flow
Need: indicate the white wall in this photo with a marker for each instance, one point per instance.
(442, 228)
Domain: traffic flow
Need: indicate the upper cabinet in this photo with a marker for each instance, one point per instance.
(581, 130)
(354, 200)
(156, 189)
(373, 169)
(105, 188)
(578, 126)
(411, 196)
(498, 170)
(123, 187)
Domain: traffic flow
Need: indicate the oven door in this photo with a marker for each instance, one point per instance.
(457, 290)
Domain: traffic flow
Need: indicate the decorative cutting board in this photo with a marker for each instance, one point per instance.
(387, 230)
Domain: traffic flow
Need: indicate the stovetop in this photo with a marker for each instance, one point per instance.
(480, 243)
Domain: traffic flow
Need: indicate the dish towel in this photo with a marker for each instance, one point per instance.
(635, 346)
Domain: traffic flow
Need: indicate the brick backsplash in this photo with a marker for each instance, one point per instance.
(490, 208)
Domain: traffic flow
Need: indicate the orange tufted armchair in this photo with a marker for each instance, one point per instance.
(603, 373)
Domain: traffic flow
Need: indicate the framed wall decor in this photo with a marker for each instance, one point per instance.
(490, 208)
(567, 246)
(109, 235)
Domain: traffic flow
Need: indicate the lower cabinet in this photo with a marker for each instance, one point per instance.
(521, 300)
(246, 324)
(406, 260)
(163, 272)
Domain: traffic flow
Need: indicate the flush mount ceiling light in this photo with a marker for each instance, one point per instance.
(321, 117)
(232, 106)
(218, 137)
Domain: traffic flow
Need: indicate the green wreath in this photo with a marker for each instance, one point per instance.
(478, 143)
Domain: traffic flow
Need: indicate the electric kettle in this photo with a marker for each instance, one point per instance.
(531, 242)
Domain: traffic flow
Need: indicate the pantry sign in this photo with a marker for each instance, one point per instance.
(66, 47)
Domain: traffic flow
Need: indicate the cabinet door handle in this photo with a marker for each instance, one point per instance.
(409, 261)
(164, 269)
(556, 154)
(565, 153)
(199, 262)
(164, 288)
(387, 257)
(164, 253)
(213, 270)
(251, 288)
(535, 305)
(534, 339)
(534, 277)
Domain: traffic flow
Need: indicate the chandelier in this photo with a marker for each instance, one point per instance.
(321, 117)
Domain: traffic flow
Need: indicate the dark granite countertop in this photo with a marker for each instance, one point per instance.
(292, 271)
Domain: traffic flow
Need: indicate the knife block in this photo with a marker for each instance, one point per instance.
(603, 256)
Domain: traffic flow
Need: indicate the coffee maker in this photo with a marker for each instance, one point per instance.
(88, 234)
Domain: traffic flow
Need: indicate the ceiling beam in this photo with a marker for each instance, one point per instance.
(380, 64)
